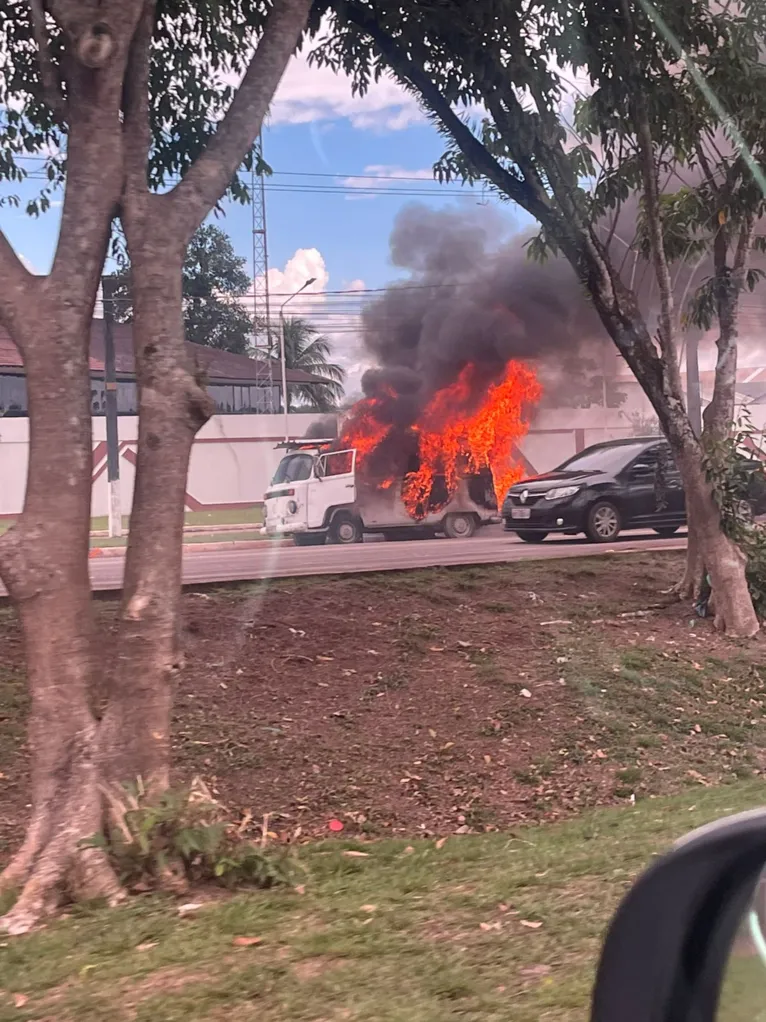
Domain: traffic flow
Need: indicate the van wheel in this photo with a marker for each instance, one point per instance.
(603, 523)
(458, 526)
(663, 531)
(345, 528)
(309, 538)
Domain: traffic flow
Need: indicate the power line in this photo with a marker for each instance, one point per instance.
(352, 291)
(312, 173)
(342, 190)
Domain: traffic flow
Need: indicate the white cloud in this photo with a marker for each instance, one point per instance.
(342, 327)
(304, 264)
(309, 94)
(383, 172)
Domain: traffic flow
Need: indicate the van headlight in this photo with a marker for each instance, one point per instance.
(559, 492)
(292, 507)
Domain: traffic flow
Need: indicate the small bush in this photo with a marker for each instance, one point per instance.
(182, 838)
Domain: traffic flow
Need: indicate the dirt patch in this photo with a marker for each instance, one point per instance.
(446, 700)
(310, 968)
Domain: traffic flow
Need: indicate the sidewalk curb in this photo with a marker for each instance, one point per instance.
(243, 544)
(192, 530)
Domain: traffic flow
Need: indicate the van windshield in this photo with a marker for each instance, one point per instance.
(293, 469)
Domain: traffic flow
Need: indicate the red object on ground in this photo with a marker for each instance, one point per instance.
(335, 825)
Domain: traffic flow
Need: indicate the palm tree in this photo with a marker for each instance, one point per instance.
(307, 349)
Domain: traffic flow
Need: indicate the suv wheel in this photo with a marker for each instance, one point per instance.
(603, 523)
(531, 537)
(664, 531)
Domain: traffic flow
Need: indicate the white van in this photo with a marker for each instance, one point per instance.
(316, 494)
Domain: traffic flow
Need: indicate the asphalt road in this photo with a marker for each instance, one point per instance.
(491, 545)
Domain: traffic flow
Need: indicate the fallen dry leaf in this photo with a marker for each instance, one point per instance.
(300, 889)
(487, 927)
(436, 649)
(525, 693)
(535, 970)
(247, 941)
(409, 850)
(441, 843)
(368, 908)
(148, 946)
(20, 1000)
(350, 853)
(189, 908)
(531, 924)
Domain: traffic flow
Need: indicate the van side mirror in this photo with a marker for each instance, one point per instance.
(319, 467)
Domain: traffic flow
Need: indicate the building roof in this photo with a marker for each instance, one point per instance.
(218, 366)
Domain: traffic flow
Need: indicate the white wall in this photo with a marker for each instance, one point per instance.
(232, 460)
(234, 456)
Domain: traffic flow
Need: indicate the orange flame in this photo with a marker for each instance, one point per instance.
(364, 429)
(455, 439)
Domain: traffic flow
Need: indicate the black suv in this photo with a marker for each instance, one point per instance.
(620, 484)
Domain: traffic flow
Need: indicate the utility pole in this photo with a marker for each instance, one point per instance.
(110, 388)
(283, 353)
(693, 396)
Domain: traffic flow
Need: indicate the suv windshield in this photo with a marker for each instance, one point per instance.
(603, 459)
(293, 468)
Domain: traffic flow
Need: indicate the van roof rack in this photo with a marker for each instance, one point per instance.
(305, 445)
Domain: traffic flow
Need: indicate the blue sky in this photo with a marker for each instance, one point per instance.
(319, 136)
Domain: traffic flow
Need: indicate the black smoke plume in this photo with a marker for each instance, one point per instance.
(467, 299)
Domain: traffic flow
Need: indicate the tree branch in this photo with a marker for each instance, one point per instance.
(667, 317)
(16, 283)
(136, 130)
(517, 190)
(52, 93)
(207, 180)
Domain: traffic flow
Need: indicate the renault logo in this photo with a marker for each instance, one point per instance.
(523, 496)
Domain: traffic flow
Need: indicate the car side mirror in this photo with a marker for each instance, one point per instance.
(672, 939)
(642, 471)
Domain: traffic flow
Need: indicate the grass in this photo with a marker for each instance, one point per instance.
(484, 928)
(234, 516)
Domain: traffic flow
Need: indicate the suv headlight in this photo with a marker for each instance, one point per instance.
(559, 492)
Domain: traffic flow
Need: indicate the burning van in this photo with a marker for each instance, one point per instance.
(318, 493)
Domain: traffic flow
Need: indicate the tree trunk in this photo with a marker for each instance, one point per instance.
(691, 582)
(44, 562)
(135, 738)
(715, 553)
(719, 413)
(106, 105)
